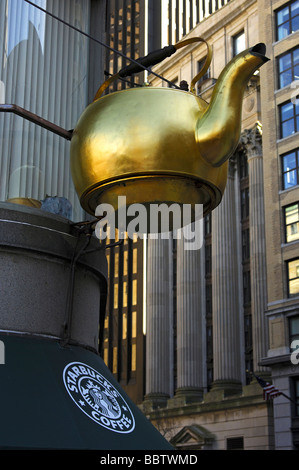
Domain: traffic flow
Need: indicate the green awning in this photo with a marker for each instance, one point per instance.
(54, 397)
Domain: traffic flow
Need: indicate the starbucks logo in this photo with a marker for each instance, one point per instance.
(98, 398)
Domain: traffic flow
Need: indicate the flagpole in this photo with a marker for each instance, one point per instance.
(289, 398)
(264, 385)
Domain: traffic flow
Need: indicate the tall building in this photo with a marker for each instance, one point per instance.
(242, 316)
(279, 101)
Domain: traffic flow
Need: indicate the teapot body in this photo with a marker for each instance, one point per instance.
(141, 143)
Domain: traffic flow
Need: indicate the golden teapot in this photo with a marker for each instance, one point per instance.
(161, 145)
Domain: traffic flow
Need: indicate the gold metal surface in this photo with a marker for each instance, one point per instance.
(161, 145)
(25, 201)
(218, 130)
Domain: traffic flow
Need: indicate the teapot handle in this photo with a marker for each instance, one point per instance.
(154, 58)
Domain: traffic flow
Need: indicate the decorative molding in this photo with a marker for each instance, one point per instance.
(251, 141)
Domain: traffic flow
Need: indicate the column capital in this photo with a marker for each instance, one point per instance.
(251, 141)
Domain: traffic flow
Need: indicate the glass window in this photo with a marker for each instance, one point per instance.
(106, 356)
(125, 262)
(290, 169)
(205, 77)
(288, 68)
(287, 19)
(134, 324)
(135, 260)
(208, 259)
(245, 245)
(208, 224)
(246, 288)
(289, 119)
(293, 328)
(235, 443)
(115, 297)
(116, 264)
(133, 358)
(296, 394)
(125, 294)
(239, 43)
(291, 222)
(115, 355)
(124, 325)
(244, 203)
(293, 277)
(134, 292)
(44, 69)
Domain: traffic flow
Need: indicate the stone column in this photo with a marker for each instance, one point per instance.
(252, 141)
(226, 321)
(159, 326)
(189, 323)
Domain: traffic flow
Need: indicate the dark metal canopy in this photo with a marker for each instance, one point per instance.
(55, 397)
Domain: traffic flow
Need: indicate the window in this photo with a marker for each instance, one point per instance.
(245, 245)
(243, 165)
(32, 47)
(295, 394)
(288, 68)
(235, 443)
(134, 293)
(133, 357)
(239, 43)
(287, 20)
(208, 224)
(115, 297)
(290, 169)
(293, 329)
(208, 259)
(244, 203)
(246, 288)
(293, 277)
(289, 118)
(125, 294)
(205, 77)
(291, 217)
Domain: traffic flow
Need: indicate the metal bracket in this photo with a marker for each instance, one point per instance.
(24, 113)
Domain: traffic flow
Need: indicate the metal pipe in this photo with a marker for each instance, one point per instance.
(24, 113)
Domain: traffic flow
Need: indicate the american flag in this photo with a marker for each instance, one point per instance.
(269, 390)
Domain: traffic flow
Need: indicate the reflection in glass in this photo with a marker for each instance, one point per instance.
(292, 222)
(289, 118)
(134, 324)
(293, 277)
(115, 297)
(43, 69)
(287, 19)
(125, 294)
(290, 169)
(288, 68)
(125, 326)
(239, 43)
(134, 292)
(133, 357)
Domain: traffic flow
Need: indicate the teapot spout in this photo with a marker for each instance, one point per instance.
(218, 130)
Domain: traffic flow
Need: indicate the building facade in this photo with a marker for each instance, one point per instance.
(219, 315)
(279, 101)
